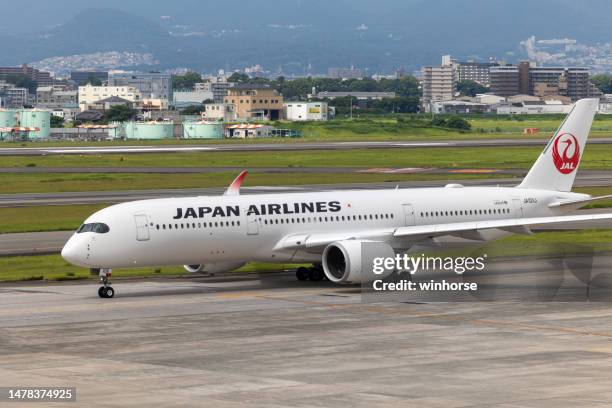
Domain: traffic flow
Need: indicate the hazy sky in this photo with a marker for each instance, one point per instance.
(44, 13)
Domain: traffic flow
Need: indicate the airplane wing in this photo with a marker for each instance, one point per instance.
(505, 224)
(314, 242)
(234, 188)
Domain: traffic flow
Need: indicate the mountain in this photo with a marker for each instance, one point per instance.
(380, 35)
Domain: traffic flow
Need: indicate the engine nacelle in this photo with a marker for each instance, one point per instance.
(194, 268)
(213, 267)
(344, 262)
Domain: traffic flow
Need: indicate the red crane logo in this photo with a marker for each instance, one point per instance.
(566, 153)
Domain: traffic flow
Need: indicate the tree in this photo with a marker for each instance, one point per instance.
(238, 77)
(603, 82)
(57, 121)
(193, 110)
(119, 113)
(455, 122)
(471, 88)
(186, 81)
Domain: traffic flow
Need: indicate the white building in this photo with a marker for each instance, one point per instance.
(458, 107)
(185, 98)
(248, 131)
(297, 111)
(439, 83)
(535, 108)
(89, 94)
(489, 99)
(219, 112)
(605, 104)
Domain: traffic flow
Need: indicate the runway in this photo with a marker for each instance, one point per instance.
(269, 341)
(583, 179)
(280, 146)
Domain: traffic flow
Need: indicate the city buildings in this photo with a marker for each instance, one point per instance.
(89, 95)
(55, 97)
(188, 98)
(218, 86)
(459, 107)
(344, 73)
(42, 78)
(528, 79)
(12, 96)
(504, 80)
(252, 102)
(355, 94)
(535, 108)
(218, 112)
(82, 77)
(439, 83)
(151, 85)
(474, 71)
(299, 111)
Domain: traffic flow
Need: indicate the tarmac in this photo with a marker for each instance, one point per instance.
(298, 145)
(270, 341)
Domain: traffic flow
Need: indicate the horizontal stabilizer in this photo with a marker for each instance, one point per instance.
(585, 201)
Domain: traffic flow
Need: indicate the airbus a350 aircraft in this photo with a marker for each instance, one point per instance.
(217, 233)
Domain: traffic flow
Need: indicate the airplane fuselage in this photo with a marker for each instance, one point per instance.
(217, 229)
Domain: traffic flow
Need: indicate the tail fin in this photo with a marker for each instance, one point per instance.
(556, 167)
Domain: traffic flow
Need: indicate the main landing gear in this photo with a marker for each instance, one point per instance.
(315, 273)
(106, 290)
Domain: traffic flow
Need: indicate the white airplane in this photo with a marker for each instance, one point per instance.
(220, 233)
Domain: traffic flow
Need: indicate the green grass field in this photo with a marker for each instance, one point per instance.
(53, 267)
(477, 157)
(64, 182)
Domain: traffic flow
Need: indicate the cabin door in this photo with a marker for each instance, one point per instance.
(142, 227)
(408, 214)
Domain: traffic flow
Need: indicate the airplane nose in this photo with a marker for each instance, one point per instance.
(73, 253)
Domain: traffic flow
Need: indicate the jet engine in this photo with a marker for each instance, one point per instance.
(213, 267)
(349, 262)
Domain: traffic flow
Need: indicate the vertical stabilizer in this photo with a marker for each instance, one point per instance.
(556, 167)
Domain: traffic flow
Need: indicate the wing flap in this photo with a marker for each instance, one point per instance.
(313, 241)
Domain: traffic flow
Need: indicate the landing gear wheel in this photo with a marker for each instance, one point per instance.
(302, 274)
(105, 291)
(315, 274)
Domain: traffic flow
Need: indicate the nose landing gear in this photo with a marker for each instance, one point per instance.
(106, 290)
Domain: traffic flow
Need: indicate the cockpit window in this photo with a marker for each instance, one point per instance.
(97, 227)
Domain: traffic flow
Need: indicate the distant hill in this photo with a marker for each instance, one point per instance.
(380, 35)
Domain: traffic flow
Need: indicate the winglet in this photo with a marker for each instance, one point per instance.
(234, 188)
